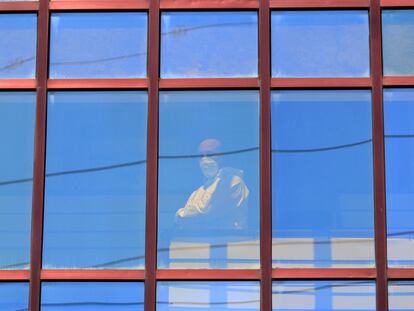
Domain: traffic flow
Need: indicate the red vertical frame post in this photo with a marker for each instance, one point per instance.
(379, 158)
(152, 157)
(39, 155)
(265, 158)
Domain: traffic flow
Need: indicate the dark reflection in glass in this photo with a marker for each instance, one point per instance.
(320, 44)
(398, 42)
(399, 165)
(98, 45)
(323, 295)
(401, 295)
(208, 295)
(208, 197)
(322, 178)
(18, 45)
(92, 296)
(209, 44)
(14, 296)
(17, 111)
(95, 180)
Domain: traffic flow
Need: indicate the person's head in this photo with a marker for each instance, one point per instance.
(209, 149)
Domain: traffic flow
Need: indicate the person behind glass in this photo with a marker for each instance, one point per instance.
(221, 202)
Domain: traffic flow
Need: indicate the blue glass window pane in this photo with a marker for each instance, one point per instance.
(18, 34)
(401, 295)
(322, 178)
(208, 295)
(209, 44)
(208, 191)
(399, 165)
(320, 44)
(95, 180)
(92, 296)
(14, 296)
(323, 295)
(98, 45)
(17, 113)
(398, 42)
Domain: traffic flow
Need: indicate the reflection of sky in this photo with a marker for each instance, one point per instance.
(16, 162)
(320, 44)
(209, 44)
(18, 45)
(186, 119)
(94, 45)
(208, 295)
(323, 295)
(14, 296)
(92, 296)
(399, 153)
(321, 193)
(401, 295)
(95, 217)
(398, 42)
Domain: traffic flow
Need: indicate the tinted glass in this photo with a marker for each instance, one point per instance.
(18, 45)
(95, 45)
(208, 197)
(95, 180)
(322, 178)
(398, 42)
(17, 114)
(323, 295)
(209, 44)
(401, 295)
(208, 295)
(14, 296)
(399, 164)
(92, 296)
(320, 44)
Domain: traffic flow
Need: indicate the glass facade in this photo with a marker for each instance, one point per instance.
(193, 154)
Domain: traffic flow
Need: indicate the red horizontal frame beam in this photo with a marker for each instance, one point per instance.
(18, 84)
(14, 275)
(324, 273)
(81, 274)
(97, 83)
(401, 273)
(397, 3)
(306, 4)
(398, 81)
(217, 83)
(99, 5)
(207, 274)
(209, 4)
(19, 6)
(321, 82)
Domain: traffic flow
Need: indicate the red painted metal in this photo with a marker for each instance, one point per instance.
(61, 5)
(39, 155)
(321, 83)
(207, 274)
(14, 275)
(29, 6)
(209, 4)
(265, 159)
(379, 160)
(398, 81)
(216, 83)
(97, 83)
(306, 4)
(81, 274)
(401, 273)
(320, 273)
(18, 84)
(152, 158)
(397, 3)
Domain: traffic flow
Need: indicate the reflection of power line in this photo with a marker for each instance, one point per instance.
(322, 287)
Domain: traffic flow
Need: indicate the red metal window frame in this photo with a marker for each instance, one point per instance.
(381, 274)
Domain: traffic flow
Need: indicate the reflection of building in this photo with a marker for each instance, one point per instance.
(100, 115)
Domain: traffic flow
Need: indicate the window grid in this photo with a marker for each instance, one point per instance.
(153, 84)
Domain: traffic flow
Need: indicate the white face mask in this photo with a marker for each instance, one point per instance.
(209, 167)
